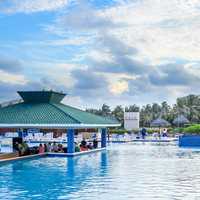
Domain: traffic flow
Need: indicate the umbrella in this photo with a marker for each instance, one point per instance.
(181, 119)
(160, 123)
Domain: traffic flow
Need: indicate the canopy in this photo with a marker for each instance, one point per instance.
(160, 123)
(180, 119)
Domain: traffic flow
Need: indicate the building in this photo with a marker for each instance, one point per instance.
(131, 120)
(43, 110)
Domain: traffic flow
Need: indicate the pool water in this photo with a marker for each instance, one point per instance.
(123, 172)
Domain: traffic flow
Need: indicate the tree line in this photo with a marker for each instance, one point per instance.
(189, 106)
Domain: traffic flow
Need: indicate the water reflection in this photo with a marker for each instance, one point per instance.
(125, 171)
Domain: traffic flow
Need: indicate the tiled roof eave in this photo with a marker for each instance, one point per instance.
(56, 126)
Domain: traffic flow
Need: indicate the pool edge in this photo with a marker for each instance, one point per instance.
(9, 160)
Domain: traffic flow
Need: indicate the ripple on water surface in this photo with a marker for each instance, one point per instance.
(125, 171)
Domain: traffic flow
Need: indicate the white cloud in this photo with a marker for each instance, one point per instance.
(159, 29)
(119, 87)
(30, 6)
(12, 78)
(163, 33)
(55, 74)
(193, 68)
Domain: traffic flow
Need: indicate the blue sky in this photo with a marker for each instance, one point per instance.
(118, 52)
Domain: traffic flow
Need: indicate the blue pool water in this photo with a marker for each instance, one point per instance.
(123, 172)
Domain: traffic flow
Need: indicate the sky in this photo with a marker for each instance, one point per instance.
(118, 52)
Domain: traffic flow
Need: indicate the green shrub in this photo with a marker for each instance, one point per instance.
(193, 129)
(178, 130)
(135, 130)
(152, 130)
(118, 131)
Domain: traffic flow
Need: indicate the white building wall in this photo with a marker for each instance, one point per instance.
(131, 120)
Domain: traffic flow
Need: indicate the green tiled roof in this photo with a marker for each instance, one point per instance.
(84, 117)
(49, 112)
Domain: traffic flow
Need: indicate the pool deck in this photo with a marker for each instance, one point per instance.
(22, 158)
(7, 160)
(144, 140)
(155, 140)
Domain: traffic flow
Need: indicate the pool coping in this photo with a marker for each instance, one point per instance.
(154, 140)
(22, 158)
(51, 155)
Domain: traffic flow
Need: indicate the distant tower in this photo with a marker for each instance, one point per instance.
(131, 120)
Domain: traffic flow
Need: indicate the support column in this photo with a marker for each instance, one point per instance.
(20, 133)
(103, 137)
(70, 141)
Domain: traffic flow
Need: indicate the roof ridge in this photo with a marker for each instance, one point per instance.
(55, 105)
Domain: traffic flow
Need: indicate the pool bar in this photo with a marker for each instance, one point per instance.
(43, 110)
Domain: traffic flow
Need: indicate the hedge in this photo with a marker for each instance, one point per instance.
(193, 129)
(118, 131)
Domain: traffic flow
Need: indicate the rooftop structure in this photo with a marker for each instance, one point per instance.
(159, 122)
(43, 109)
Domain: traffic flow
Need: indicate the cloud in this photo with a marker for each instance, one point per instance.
(129, 51)
(115, 45)
(120, 64)
(160, 29)
(88, 80)
(84, 17)
(9, 90)
(119, 87)
(31, 6)
(12, 78)
(173, 75)
(10, 65)
(122, 57)
(119, 51)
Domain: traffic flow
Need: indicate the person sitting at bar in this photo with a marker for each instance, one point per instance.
(41, 149)
(15, 147)
(50, 147)
(83, 148)
(77, 148)
(89, 146)
(83, 143)
(55, 147)
(60, 148)
(95, 143)
(26, 150)
(20, 149)
(45, 147)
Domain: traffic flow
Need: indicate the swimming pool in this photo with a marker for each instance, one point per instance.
(124, 171)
